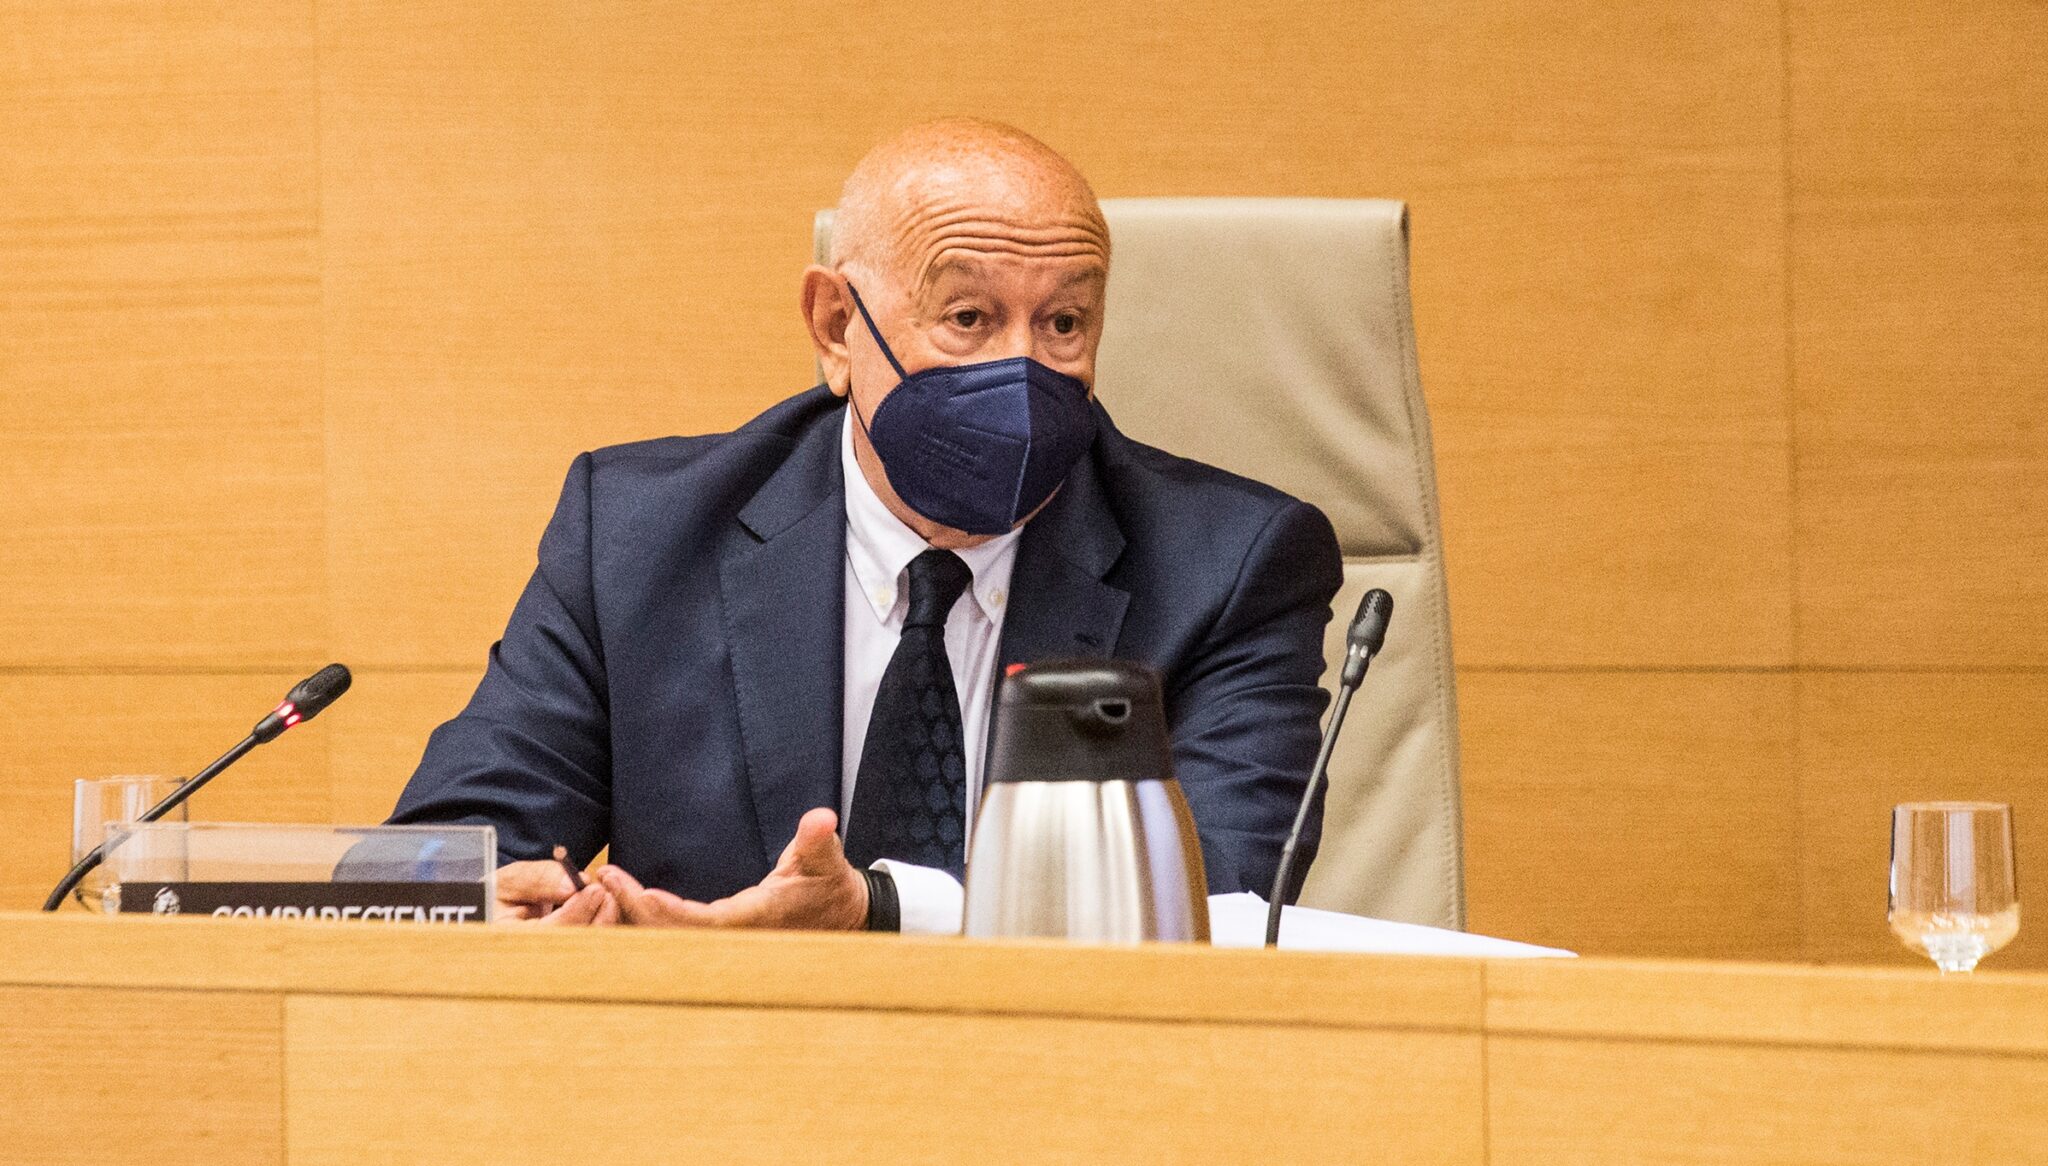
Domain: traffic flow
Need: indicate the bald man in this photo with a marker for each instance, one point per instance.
(759, 666)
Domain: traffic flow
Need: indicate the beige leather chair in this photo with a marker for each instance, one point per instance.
(1274, 338)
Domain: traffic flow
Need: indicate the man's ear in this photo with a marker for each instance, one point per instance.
(828, 312)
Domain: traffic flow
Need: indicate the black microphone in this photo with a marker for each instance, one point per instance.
(1361, 643)
(305, 701)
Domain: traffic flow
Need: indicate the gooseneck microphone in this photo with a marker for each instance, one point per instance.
(1361, 643)
(305, 701)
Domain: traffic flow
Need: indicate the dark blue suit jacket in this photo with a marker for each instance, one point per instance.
(670, 680)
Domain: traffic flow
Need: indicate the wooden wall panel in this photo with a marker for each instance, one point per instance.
(379, 745)
(160, 427)
(58, 728)
(1632, 812)
(182, 1077)
(784, 1085)
(1872, 740)
(547, 228)
(1598, 293)
(1920, 228)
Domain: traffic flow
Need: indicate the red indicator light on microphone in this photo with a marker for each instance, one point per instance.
(1013, 669)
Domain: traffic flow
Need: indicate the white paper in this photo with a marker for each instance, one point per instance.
(1240, 921)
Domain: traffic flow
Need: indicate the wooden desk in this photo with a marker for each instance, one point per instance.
(196, 1040)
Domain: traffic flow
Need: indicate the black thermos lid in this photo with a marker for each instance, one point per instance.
(1080, 720)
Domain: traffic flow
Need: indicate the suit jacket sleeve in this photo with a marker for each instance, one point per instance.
(1246, 709)
(531, 754)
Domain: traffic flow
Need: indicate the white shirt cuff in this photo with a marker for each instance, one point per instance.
(929, 900)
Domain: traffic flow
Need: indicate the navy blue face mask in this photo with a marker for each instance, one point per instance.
(978, 447)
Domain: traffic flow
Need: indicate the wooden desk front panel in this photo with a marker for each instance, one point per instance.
(104, 1076)
(1579, 1102)
(490, 1081)
(162, 1040)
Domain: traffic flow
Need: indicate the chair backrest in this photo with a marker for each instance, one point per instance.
(1274, 338)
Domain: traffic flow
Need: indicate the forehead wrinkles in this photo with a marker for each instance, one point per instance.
(928, 236)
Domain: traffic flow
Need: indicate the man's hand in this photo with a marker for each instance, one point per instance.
(540, 892)
(811, 887)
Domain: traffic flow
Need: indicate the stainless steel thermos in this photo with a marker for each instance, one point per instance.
(1083, 832)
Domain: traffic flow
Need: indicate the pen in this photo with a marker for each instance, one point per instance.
(575, 876)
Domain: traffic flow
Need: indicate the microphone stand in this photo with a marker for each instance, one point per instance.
(1315, 780)
(305, 701)
(1362, 642)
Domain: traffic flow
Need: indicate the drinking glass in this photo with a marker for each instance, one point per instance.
(99, 802)
(1953, 896)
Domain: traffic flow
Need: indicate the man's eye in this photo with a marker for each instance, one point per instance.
(1065, 323)
(967, 317)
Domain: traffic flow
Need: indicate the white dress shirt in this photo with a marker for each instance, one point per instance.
(879, 548)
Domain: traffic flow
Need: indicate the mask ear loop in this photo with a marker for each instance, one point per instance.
(876, 332)
(884, 345)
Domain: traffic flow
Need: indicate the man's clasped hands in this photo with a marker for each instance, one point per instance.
(812, 887)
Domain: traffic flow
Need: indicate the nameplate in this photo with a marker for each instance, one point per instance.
(376, 902)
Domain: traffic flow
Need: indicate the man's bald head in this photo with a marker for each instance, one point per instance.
(962, 183)
(969, 242)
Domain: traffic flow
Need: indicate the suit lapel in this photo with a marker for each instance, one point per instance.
(783, 584)
(1060, 605)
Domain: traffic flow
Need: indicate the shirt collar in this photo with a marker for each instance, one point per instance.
(879, 547)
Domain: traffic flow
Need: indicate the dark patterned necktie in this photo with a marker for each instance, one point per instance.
(910, 798)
